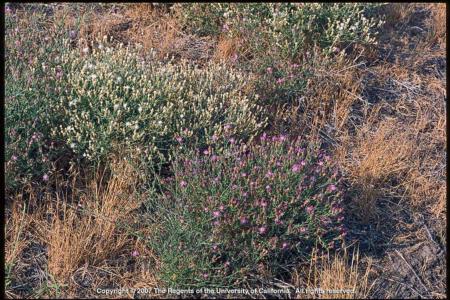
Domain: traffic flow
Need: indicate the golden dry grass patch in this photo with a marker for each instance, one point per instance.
(374, 160)
(16, 227)
(94, 231)
(399, 13)
(437, 24)
(339, 276)
(23, 252)
(226, 48)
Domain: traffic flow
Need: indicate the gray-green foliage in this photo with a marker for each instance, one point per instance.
(117, 98)
(286, 28)
(31, 85)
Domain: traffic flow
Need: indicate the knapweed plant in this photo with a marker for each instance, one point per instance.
(33, 81)
(245, 213)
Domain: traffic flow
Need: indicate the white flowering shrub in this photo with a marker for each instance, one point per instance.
(115, 98)
(286, 27)
(276, 39)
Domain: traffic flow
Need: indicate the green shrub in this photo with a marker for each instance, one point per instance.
(237, 215)
(278, 36)
(31, 85)
(116, 98)
(285, 28)
(86, 102)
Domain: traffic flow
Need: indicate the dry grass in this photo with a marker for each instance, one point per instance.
(374, 160)
(92, 232)
(427, 174)
(399, 13)
(151, 28)
(16, 227)
(89, 237)
(324, 111)
(226, 48)
(394, 158)
(437, 24)
(334, 273)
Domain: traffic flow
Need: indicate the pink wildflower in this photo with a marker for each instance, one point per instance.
(135, 253)
(332, 188)
(335, 50)
(263, 203)
(263, 136)
(280, 80)
(295, 168)
(262, 230)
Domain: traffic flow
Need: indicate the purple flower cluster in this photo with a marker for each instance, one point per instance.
(275, 190)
